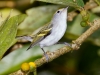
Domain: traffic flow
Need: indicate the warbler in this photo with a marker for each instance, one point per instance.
(51, 33)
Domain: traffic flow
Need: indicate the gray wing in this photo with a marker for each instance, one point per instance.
(41, 35)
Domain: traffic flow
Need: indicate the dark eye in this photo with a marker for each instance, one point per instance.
(58, 11)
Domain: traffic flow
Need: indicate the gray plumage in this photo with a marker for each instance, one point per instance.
(51, 33)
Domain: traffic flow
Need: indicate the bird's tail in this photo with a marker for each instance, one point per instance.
(28, 38)
(32, 45)
(29, 47)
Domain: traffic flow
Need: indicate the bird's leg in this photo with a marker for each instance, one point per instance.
(46, 56)
(65, 43)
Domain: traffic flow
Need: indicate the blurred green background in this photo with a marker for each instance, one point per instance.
(85, 61)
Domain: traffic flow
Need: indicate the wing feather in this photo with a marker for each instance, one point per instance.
(40, 35)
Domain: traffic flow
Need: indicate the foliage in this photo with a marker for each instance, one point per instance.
(40, 12)
(8, 32)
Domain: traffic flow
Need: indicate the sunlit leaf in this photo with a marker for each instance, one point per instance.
(8, 32)
(31, 1)
(73, 3)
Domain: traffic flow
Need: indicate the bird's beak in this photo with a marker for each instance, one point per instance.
(65, 8)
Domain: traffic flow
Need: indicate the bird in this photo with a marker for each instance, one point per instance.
(51, 33)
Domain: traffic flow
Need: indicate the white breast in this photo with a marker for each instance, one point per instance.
(56, 34)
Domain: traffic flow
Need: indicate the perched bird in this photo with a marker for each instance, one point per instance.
(51, 33)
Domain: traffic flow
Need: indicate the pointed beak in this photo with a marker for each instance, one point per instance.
(66, 8)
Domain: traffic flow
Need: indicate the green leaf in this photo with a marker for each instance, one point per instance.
(80, 3)
(13, 61)
(76, 24)
(31, 1)
(73, 3)
(8, 32)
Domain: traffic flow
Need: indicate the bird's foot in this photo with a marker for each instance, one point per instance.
(67, 44)
(46, 56)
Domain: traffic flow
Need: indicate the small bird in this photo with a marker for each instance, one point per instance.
(51, 33)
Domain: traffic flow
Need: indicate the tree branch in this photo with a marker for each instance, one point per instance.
(75, 45)
(94, 26)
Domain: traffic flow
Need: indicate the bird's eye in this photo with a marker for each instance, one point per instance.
(58, 11)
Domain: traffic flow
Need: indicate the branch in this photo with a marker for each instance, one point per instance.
(75, 45)
(95, 25)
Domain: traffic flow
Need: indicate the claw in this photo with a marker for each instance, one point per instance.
(64, 43)
(67, 44)
(46, 56)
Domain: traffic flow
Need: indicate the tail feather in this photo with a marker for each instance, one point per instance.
(29, 38)
(29, 47)
(32, 45)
